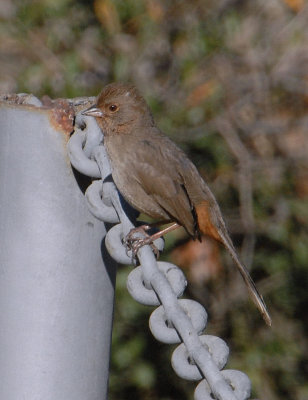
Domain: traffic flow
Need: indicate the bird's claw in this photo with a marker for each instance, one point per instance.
(140, 242)
(133, 243)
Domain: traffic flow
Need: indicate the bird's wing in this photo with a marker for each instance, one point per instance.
(164, 184)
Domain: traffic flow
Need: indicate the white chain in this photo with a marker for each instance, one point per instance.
(198, 357)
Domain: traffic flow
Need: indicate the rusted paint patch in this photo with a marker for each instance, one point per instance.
(23, 99)
(61, 114)
(61, 111)
(11, 98)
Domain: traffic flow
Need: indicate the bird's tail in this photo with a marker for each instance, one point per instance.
(254, 293)
(211, 223)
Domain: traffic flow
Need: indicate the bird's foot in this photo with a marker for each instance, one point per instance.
(135, 243)
(140, 242)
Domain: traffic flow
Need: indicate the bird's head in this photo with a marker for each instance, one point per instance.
(120, 108)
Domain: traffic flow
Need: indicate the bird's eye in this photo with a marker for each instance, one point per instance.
(113, 108)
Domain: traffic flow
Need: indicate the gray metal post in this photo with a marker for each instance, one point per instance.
(56, 292)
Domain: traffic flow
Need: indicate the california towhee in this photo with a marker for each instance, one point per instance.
(155, 176)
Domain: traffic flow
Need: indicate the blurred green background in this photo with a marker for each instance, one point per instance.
(228, 81)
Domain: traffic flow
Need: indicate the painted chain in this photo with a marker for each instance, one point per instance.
(198, 357)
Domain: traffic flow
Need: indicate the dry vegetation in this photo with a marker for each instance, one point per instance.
(228, 80)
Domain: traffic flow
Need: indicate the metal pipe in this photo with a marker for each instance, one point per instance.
(56, 279)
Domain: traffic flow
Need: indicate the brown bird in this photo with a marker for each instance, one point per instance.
(156, 177)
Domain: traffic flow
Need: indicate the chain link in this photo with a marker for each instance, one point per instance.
(198, 357)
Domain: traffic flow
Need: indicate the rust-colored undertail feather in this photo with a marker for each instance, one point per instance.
(219, 232)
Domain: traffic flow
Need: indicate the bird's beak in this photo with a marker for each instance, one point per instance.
(93, 111)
